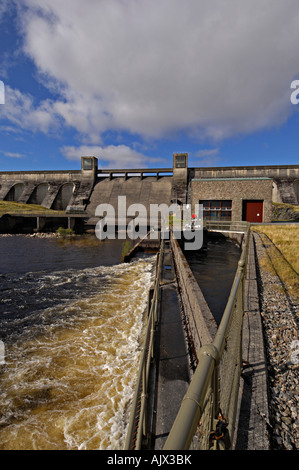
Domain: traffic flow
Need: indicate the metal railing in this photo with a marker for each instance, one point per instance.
(226, 226)
(137, 427)
(206, 419)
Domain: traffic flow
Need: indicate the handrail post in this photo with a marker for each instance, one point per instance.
(143, 399)
(187, 418)
(216, 391)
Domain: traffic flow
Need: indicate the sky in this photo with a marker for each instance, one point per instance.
(134, 81)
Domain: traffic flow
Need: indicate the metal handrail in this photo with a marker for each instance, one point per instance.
(137, 423)
(207, 373)
(238, 226)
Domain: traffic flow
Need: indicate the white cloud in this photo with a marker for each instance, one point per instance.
(112, 156)
(13, 154)
(205, 157)
(21, 110)
(207, 153)
(211, 68)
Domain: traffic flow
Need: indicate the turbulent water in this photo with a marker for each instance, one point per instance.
(71, 321)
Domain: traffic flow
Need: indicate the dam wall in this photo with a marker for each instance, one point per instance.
(227, 193)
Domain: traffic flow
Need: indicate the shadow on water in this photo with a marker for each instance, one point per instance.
(21, 254)
(214, 269)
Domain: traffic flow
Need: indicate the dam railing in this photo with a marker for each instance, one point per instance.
(137, 427)
(226, 226)
(141, 173)
(207, 416)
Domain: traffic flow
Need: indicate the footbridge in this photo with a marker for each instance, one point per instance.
(189, 389)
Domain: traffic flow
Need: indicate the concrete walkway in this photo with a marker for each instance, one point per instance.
(172, 363)
(252, 432)
(172, 368)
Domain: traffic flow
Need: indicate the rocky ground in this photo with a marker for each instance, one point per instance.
(285, 212)
(280, 316)
(33, 235)
(38, 235)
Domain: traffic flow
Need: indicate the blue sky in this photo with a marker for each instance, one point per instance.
(133, 82)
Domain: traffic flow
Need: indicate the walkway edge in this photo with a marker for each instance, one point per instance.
(253, 424)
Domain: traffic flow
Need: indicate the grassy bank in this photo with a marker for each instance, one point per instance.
(284, 255)
(284, 212)
(9, 207)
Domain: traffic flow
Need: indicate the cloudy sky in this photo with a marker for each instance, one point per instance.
(134, 81)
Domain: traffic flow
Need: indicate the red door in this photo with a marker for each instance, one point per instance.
(253, 211)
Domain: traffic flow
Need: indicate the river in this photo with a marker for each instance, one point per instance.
(215, 269)
(71, 323)
(72, 319)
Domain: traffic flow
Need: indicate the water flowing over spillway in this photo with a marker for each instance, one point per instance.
(72, 346)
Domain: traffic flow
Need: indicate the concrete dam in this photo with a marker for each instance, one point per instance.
(227, 193)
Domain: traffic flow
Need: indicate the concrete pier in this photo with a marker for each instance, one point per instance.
(172, 361)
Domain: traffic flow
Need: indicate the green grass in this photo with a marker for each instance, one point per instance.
(126, 248)
(286, 238)
(285, 212)
(65, 232)
(282, 205)
(9, 207)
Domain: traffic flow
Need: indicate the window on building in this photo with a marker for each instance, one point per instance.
(217, 209)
